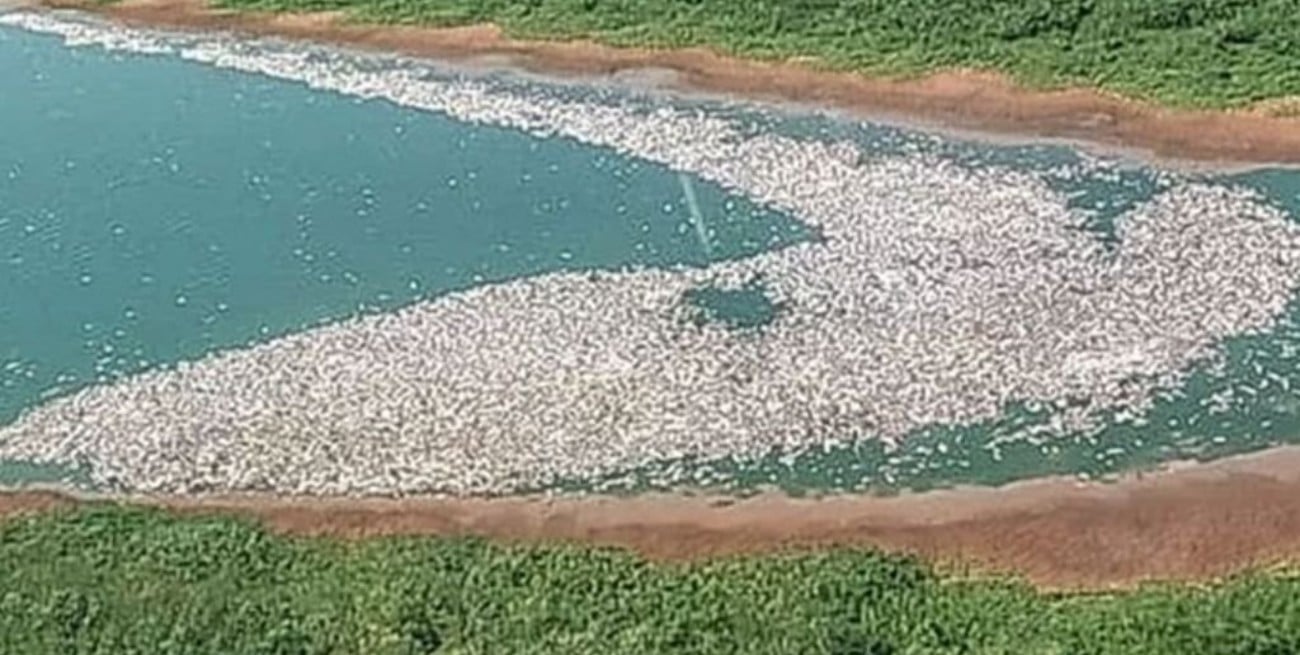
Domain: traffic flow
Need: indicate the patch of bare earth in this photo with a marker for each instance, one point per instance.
(1187, 523)
(959, 100)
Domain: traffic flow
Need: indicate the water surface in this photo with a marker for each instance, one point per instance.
(154, 210)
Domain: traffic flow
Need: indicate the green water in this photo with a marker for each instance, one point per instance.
(740, 308)
(17, 474)
(1263, 369)
(154, 210)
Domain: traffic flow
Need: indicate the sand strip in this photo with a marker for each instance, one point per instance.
(1191, 522)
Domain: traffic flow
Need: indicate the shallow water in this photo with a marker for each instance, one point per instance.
(1262, 369)
(1260, 377)
(154, 210)
(183, 209)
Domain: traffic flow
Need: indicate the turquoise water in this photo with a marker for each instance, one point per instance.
(1262, 373)
(153, 210)
(1263, 370)
(744, 307)
(1102, 194)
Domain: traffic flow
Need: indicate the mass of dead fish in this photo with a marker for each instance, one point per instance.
(938, 294)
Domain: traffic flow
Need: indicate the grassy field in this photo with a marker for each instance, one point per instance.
(1206, 53)
(111, 580)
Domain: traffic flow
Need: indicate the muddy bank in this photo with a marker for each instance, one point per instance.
(1187, 523)
(1192, 523)
(965, 102)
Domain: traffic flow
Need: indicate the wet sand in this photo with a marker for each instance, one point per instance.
(964, 102)
(1189, 522)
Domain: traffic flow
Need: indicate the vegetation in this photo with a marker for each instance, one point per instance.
(1216, 53)
(121, 581)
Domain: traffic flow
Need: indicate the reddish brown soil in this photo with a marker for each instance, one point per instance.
(953, 100)
(1194, 523)
(1190, 523)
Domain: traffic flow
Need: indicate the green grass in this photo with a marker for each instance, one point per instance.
(121, 581)
(1202, 53)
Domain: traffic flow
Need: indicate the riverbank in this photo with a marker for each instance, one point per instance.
(1188, 522)
(1167, 526)
(130, 580)
(955, 101)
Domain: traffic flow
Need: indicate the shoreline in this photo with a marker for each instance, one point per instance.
(974, 105)
(1186, 522)
(1183, 523)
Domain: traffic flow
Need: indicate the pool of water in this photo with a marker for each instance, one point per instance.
(1260, 373)
(1245, 403)
(155, 210)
